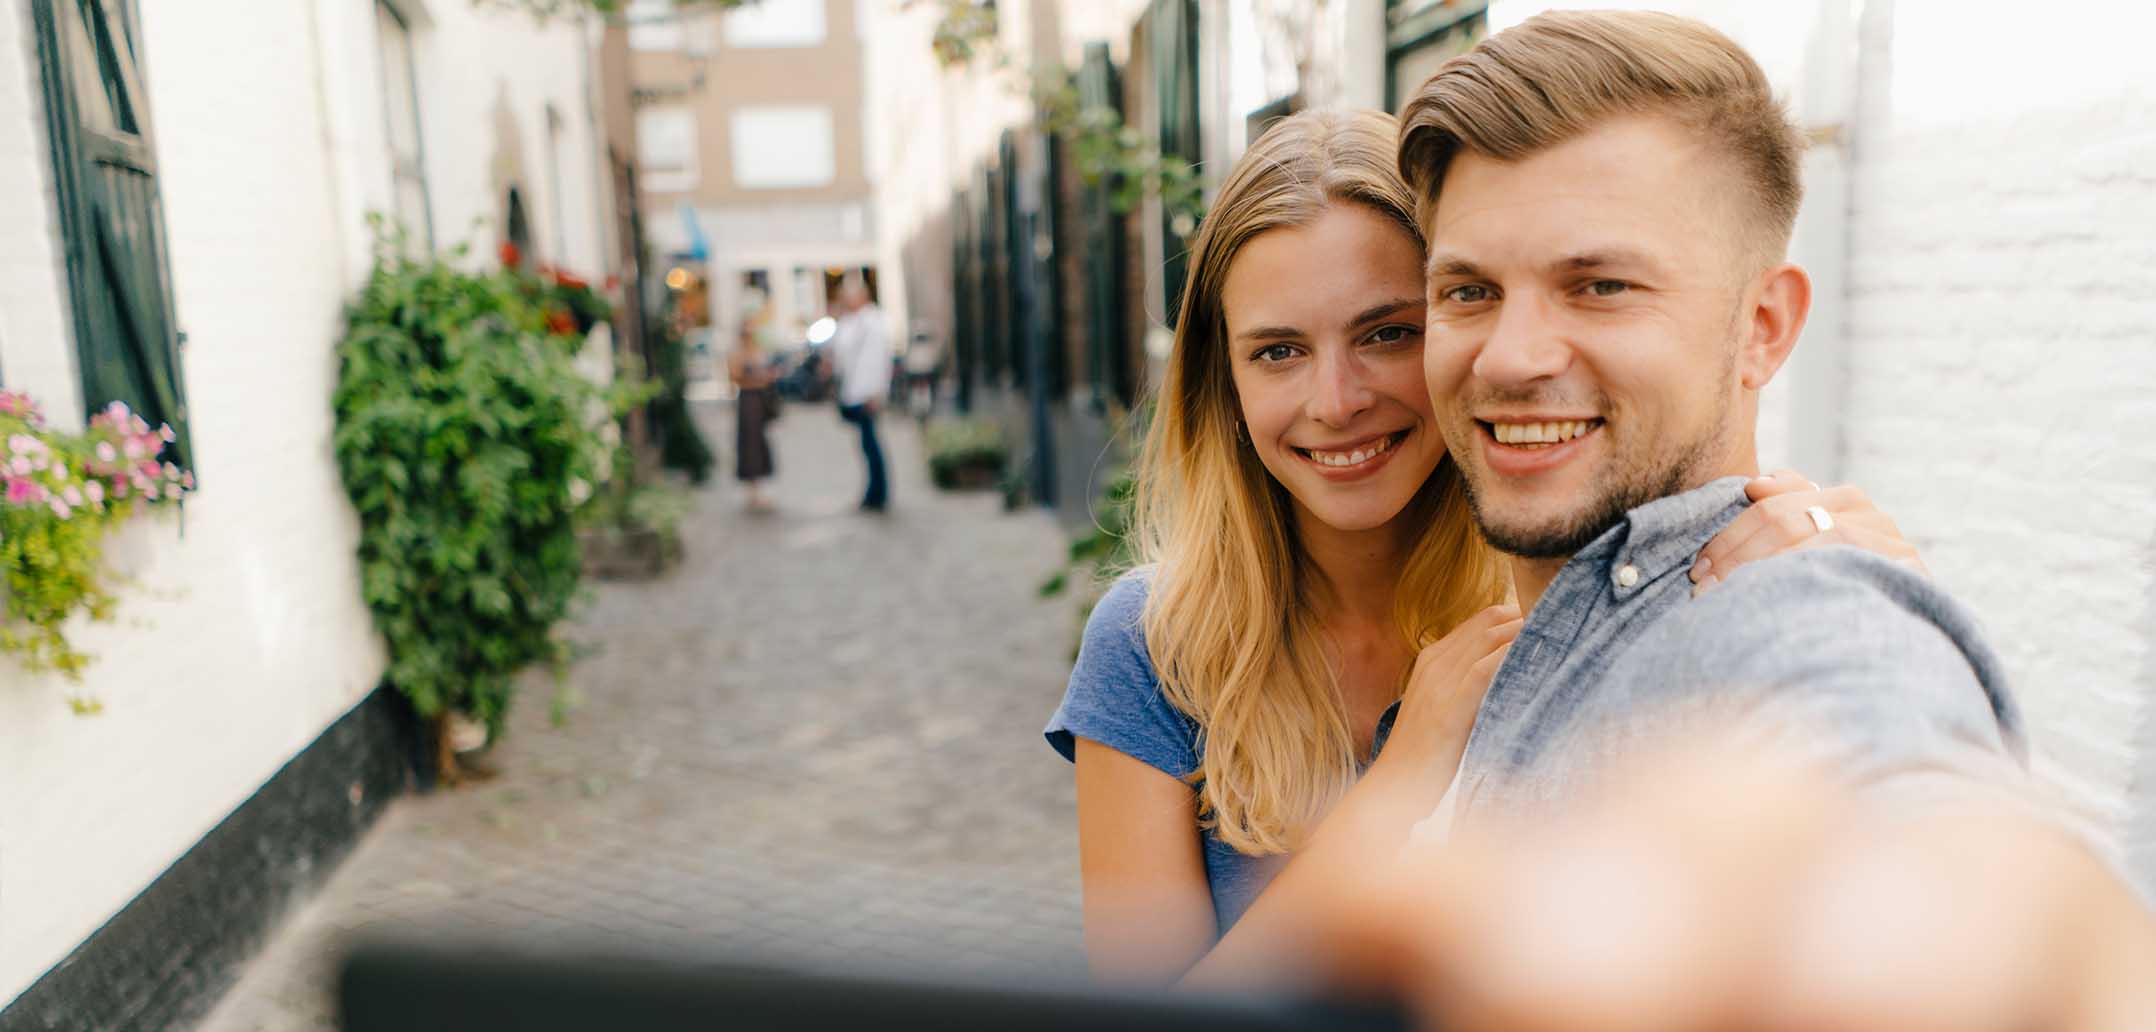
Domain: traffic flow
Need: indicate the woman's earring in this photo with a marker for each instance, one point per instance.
(1242, 433)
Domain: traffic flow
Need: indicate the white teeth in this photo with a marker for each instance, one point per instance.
(1351, 458)
(1539, 433)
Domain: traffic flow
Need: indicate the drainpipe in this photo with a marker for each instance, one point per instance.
(1815, 383)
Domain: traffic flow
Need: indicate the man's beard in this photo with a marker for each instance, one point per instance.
(1617, 489)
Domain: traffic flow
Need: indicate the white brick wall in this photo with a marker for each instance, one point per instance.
(246, 635)
(2002, 363)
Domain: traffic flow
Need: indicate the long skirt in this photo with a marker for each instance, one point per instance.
(752, 445)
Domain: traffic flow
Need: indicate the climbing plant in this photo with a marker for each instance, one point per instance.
(464, 435)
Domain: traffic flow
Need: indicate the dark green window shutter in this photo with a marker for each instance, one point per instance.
(1107, 353)
(113, 226)
(1175, 77)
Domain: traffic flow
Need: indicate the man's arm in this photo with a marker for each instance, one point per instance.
(1855, 662)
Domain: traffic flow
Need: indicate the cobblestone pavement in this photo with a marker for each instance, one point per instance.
(815, 740)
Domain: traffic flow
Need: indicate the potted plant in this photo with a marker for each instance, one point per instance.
(965, 454)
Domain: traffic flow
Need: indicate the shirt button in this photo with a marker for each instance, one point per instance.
(1627, 575)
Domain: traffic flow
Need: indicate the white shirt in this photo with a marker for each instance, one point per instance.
(861, 356)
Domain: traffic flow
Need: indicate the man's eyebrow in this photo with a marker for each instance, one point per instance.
(1602, 257)
(1450, 265)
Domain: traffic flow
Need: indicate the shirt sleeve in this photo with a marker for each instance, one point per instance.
(1114, 696)
(1849, 660)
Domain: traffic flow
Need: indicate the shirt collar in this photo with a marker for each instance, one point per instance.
(1664, 535)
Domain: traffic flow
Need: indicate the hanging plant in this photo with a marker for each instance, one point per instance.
(63, 493)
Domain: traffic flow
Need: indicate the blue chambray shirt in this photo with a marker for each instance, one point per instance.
(1863, 663)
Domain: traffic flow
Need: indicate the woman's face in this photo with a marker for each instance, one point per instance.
(1324, 325)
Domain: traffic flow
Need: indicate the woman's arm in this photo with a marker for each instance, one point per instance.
(1778, 521)
(1373, 821)
(1148, 906)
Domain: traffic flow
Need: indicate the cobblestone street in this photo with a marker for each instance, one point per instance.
(816, 739)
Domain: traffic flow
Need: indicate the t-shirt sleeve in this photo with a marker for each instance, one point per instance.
(1114, 696)
(1859, 665)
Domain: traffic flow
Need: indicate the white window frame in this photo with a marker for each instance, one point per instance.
(752, 167)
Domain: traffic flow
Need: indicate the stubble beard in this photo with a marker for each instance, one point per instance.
(1623, 485)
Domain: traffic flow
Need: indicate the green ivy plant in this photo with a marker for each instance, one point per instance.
(61, 493)
(1104, 150)
(462, 430)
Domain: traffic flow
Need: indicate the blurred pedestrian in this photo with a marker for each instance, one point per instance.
(755, 405)
(861, 354)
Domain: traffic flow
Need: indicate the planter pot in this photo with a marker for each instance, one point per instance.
(972, 476)
(627, 553)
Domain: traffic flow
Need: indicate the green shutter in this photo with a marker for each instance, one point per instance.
(112, 225)
(1175, 77)
(1107, 352)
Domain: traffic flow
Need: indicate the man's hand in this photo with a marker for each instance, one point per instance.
(1725, 889)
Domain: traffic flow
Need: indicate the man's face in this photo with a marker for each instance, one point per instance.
(1584, 322)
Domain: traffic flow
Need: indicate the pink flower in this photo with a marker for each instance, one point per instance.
(138, 425)
(165, 431)
(134, 448)
(148, 468)
(119, 489)
(172, 472)
(150, 492)
(106, 452)
(72, 495)
(61, 509)
(20, 467)
(187, 480)
(95, 491)
(21, 492)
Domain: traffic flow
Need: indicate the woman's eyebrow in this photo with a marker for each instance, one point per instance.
(1269, 333)
(1383, 309)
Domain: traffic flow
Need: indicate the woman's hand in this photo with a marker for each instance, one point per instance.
(1778, 522)
(1445, 688)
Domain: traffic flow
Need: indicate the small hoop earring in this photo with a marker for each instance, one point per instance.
(1242, 433)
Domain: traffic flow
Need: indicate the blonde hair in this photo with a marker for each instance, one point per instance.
(1557, 75)
(1228, 619)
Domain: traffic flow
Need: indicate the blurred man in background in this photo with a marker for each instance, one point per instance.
(861, 359)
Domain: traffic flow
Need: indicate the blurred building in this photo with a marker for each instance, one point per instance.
(185, 200)
(1976, 357)
(754, 170)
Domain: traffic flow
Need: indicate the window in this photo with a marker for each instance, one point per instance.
(1421, 35)
(400, 114)
(780, 147)
(775, 23)
(653, 25)
(110, 214)
(666, 148)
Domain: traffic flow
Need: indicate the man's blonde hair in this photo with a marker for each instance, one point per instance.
(1561, 74)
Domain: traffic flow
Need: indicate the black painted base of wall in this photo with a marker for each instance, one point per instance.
(163, 961)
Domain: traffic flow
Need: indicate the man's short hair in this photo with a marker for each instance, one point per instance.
(1559, 75)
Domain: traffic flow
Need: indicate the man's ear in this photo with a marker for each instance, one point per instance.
(1782, 298)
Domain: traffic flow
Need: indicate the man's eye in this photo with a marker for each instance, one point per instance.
(1394, 334)
(1608, 287)
(1467, 294)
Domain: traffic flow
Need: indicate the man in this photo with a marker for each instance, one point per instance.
(861, 353)
(1608, 200)
(1840, 842)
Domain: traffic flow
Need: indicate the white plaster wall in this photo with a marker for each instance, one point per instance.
(245, 635)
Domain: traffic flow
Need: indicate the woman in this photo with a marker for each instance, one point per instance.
(1303, 537)
(750, 369)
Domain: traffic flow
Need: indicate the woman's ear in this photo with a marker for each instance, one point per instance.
(1780, 302)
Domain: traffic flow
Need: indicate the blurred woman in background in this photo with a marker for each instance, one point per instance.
(755, 405)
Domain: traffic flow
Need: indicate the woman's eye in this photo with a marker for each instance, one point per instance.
(1274, 353)
(1608, 287)
(1394, 334)
(1467, 294)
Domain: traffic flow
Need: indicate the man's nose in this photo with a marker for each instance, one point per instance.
(1526, 345)
(1343, 388)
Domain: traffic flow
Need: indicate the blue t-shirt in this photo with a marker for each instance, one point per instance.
(1115, 699)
